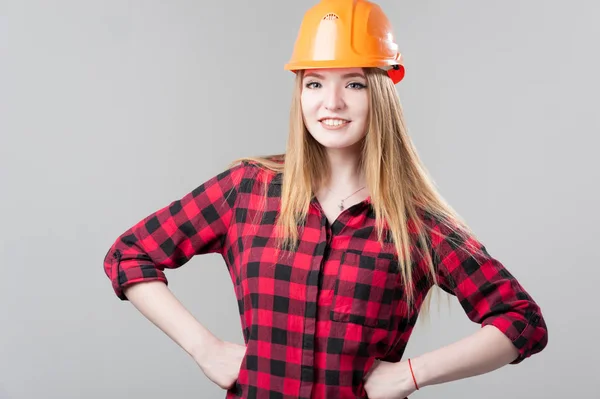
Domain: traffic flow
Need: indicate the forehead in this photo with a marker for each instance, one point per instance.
(334, 73)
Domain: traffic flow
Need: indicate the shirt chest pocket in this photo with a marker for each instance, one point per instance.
(366, 290)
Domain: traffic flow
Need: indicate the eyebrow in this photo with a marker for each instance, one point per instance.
(346, 76)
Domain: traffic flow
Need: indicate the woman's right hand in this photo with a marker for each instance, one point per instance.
(221, 362)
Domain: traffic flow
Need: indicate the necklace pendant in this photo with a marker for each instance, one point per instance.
(341, 206)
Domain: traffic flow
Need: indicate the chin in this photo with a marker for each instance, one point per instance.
(336, 142)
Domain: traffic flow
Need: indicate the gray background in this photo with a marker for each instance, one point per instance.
(111, 109)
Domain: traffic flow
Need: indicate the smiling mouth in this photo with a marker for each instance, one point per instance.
(333, 123)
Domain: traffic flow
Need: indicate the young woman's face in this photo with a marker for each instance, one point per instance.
(335, 105)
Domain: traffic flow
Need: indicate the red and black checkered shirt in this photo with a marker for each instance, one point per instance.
(315, 319)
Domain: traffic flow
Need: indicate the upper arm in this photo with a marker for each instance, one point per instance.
(487, 291)
(195, 224)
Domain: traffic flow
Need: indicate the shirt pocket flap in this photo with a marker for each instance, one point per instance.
(365, 290)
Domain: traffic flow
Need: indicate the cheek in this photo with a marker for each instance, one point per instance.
(363, 107)
(359, 103)
(309, 106)
(361, 112)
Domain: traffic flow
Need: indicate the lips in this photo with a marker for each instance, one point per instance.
(333, 122)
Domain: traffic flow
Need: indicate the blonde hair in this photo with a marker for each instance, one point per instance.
(398, 183)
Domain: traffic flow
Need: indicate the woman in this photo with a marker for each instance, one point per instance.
(333, 246)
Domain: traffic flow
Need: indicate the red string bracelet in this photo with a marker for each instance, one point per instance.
(413, 374)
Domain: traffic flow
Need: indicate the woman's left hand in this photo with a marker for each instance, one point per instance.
(388, 380)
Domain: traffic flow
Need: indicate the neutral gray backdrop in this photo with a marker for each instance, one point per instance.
(110, 109)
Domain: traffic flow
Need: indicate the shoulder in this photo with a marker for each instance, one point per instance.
(248, 174)
(260, 169)
(449, 234)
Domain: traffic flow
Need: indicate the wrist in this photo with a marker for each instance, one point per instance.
(202, 347)
(404, 380)
(418, 372)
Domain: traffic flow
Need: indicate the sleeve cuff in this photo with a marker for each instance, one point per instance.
(528, 336)
(126, 272)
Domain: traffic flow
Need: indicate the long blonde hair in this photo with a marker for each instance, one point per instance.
(398, 183)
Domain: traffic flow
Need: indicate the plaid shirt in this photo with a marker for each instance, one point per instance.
(314, 319)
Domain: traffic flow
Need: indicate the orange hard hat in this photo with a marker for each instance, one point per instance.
(346, 34)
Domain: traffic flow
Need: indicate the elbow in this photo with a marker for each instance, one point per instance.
(524, 327)
(533, 338)
(540, 335)
(111, 265)
(125, 266)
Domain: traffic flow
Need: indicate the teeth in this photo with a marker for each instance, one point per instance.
(333, 122)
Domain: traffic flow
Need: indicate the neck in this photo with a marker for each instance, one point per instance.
(345, 173)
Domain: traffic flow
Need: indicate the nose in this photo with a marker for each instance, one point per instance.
(334, 99)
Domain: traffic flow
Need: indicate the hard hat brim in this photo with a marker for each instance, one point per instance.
(384, 64)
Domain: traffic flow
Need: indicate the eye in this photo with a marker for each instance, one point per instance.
(310, 85)
(356, 85)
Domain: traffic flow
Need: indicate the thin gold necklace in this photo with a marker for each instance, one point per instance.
(341, 205)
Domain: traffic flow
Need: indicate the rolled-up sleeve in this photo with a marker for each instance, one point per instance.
(486, 290)
(168, 238)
